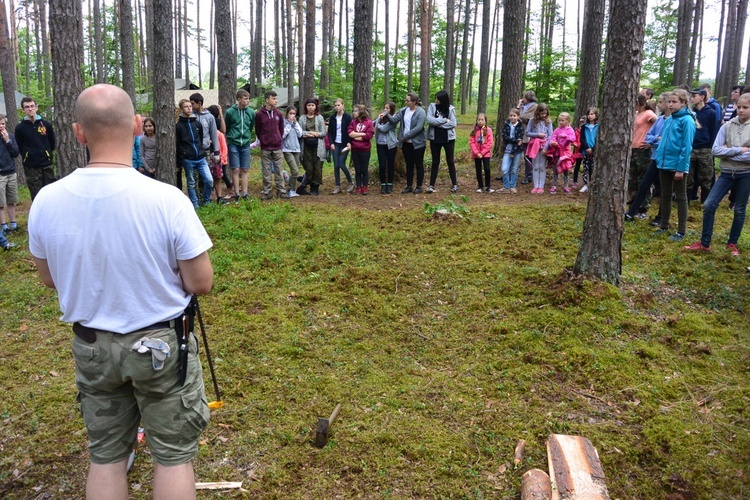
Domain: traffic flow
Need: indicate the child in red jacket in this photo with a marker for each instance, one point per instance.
(480, 142)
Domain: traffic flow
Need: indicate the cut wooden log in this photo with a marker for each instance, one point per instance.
(574, 469)
(535, 485)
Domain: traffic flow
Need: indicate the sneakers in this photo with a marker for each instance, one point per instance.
(389, 189)
(9, 246)
(406, 190)
(655, 222)
(350, 189)
(454, 189)
(359, 190)
(503, 191)
(489, 190)
(429, 190)
(697, 246)
(363, 190)
(552, 190)
(266, 197)
(733, 250)
(661, 230)
(566, 190)
(574, 185)
(513, 191)
(336, 190)
(293, 193)
(641, 216)
(677, 237)
(584, 189)
(629, 218)
(537, 191)
(418, 190)
(480, 190)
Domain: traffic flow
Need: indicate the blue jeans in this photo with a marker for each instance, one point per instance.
(339, 163)
(200, 166)
(740, 185)
(239, 156)
(510, 169)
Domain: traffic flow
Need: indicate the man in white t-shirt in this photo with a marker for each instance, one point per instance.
(124, 280)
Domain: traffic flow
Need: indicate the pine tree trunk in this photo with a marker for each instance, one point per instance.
(45, 48)
(38, 44)
(682, 44)
(410, 36)
(198, 40)
(149, 29)
(591, 56)
(450, 56)
(185, 50)
(226, 58)
(290, 52)
(301, 52)
(126, 45)
(425, 32)
(278, 46)
(387, 61)
(177, 38)
(164, 92)
(257, 75)
(496, 37)
(470, 77)
(211, 49)
(8, 70)
(697, 20)
(511, 67)
(325, 22)
(463, 76)
(308, 77)
(66, 34)
(362, 69)
(98, 41)
(600, 251)
(484, 58)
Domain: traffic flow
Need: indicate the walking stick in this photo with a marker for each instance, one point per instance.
(214, 405)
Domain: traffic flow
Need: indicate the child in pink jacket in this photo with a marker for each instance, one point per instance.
(561, 150)
(480, 142)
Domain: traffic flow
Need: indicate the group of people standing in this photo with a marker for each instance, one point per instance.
(683, 142)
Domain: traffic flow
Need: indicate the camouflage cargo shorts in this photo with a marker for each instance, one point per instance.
(118, 388)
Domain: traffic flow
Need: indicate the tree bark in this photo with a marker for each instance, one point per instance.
(66, 33)
(450, 55)
(308, 78)
(496, 37)
(362, 67)
(277, 45)
(226, 58)
(591, 57)
(682, 44)
(425, 31)
(326, 21)
(126, 49)
(198, 40)
(300, 51)
(695, 36)
(45, 48)
(484, 57)
(8, 71)
(164, 105)
(290, 52)
(410, 36)
(600, 251)
(99, 64)
(177, 38)
(463, 78)
(387, 61)
(511, 67)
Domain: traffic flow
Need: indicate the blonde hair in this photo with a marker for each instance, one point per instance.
(564, 116)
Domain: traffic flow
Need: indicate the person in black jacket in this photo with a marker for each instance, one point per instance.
(190, 153)
(36, 142)
(338, 138)
(8, 183)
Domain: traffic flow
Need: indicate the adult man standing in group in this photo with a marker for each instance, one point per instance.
(701, 160)
(239, 120)
(210, 136)
(36, 141)
(269, 129)
(123, 373)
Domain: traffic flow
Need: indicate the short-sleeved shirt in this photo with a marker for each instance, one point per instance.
(112, 238)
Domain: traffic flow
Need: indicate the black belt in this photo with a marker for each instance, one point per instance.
(89, 334)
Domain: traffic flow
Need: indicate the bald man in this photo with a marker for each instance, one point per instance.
(125, 253)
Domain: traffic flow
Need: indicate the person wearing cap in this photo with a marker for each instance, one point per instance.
(701, 160)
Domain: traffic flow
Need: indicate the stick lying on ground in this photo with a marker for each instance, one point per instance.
(324, 424)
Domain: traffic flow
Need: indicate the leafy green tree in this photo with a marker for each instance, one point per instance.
(659, 48)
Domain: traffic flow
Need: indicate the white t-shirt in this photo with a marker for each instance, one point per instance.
(112, 238)
(408, 113)
(337, 139)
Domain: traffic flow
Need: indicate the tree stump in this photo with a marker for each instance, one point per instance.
(574, 469)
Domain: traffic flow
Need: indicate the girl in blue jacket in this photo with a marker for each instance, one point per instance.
(673, 162)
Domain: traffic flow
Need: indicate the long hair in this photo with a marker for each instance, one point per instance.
(312, 101)
(476, 124)
(391, 110)
(150, 120)
(538, 114)
(361, 111)
(595, 111)
(444, 102)
(214, 110)
(414, 98)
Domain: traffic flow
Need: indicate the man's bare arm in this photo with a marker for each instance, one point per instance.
(43, 268)
(197, 274)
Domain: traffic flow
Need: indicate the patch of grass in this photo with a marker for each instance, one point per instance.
(445, 344)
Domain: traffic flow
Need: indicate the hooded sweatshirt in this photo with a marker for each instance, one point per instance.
(239, 123)
(36, 141)
(676, 142)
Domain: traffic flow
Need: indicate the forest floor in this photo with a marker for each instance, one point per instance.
(445, 338)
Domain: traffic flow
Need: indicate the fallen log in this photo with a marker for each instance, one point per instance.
(535, 485)
(574, 469)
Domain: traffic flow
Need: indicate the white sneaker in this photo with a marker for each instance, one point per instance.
(429, 189)
(292, 193)
(490, 190)
(584, 189)
(454, 189)
(480, 190)
(513, 191)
